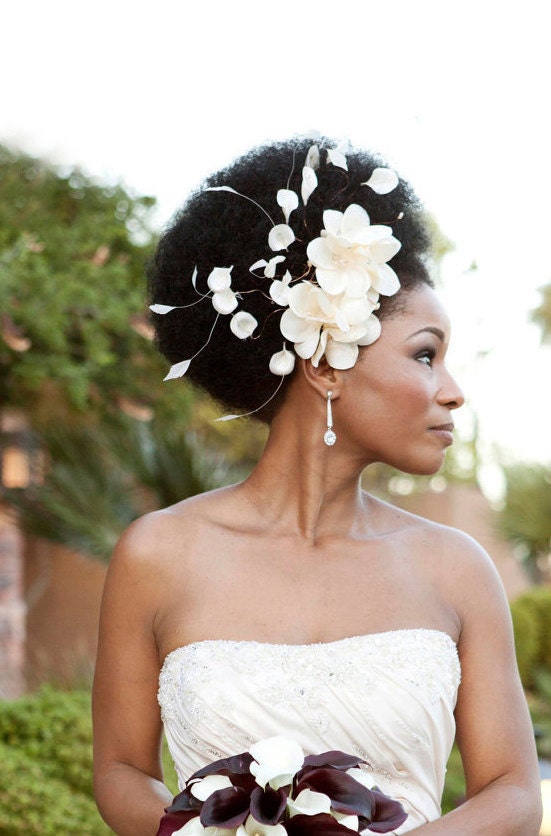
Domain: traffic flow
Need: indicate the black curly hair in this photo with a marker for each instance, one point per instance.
(220, 229)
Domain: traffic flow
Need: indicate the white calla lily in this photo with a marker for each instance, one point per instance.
(309, 803)
(252, 827)
(382, 180)
(243, 324)
(162, 309)
(362, 776)
(280, 237)
(276, 761)
(288, 200)
(209, 784)
(352, 822)
(219, 279)
(193, 827)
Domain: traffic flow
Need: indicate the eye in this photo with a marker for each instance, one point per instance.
(426, 356)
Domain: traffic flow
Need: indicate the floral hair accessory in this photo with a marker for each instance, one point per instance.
(329, 310)
(273, 790)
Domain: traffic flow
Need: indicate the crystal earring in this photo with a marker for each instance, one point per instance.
(329, 436)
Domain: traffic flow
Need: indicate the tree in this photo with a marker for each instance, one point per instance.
(73, 330)
(526, 515)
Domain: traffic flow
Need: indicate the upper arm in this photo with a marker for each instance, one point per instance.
(127, 724)
(494, 730)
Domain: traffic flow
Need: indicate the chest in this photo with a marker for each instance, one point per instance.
(282, 592)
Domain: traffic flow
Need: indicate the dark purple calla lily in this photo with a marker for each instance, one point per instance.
(184, 802)
(335, 759)
(388, 814)
(235, 765)
(268, 805)
(173, 821)
(347, 795)
(225, 808)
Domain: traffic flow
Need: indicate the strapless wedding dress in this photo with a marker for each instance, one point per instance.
(386, 697)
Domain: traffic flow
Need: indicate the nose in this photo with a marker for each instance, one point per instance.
(450, 394)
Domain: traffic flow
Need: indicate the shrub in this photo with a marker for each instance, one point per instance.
(531, 614)
(46, 772)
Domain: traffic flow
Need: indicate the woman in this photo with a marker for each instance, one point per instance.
(295, 603)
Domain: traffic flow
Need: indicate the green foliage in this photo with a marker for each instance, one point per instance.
(46, 757)
(454, 787)
(72, 296)
(103, 476)
(542, 314)
(526, 515)
(531, 614)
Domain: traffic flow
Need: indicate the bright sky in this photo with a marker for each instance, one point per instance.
(455, 94)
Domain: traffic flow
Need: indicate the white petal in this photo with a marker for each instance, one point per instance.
(270, 269)
(260, 263)
(279, 292)
(224, 302)
(276, 761)
(319, 253)
(332, 281)
(162, 309)
(178, 370)
(282, 362)
(313, 157)
(194, 278)
(193, 827)
(355, 219)
(363, 777)
(308, 348)
(280, 237)
(341, 355)
(337, 158)
(288, 200)
(373, 332)
(243, 324)
(382, 181)
(386, 281)
(253, 827)
(310, 803)
(385, 248)
(332, 220)
(351, 822)
(219, 278)
(221, 189)
(297, 330)
(209, 784)
(309, 183)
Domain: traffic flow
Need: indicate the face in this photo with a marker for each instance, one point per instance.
(397, 402)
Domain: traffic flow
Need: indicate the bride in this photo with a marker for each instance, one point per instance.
(294, 286)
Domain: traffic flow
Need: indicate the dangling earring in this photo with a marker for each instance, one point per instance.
(329, 436)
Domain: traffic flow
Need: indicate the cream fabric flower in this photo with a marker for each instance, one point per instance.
(350, 255)
(318, 323)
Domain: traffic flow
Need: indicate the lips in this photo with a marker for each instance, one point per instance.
(444, 432)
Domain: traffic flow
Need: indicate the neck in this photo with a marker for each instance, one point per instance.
(301, 485)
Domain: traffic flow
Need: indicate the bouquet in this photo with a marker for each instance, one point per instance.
(273, 790)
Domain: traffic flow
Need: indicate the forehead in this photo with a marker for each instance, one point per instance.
(422, 309)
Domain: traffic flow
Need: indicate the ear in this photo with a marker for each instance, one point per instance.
(322, 377)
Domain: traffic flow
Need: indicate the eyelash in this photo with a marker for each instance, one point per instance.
(426, 354)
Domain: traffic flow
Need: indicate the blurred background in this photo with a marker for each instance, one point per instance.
(110, 113)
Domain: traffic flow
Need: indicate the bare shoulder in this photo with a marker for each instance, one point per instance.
(157, 537)
(457, 565)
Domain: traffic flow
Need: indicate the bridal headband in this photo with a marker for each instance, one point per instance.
(329, 310)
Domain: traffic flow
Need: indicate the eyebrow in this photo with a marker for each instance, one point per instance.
(431, 330)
